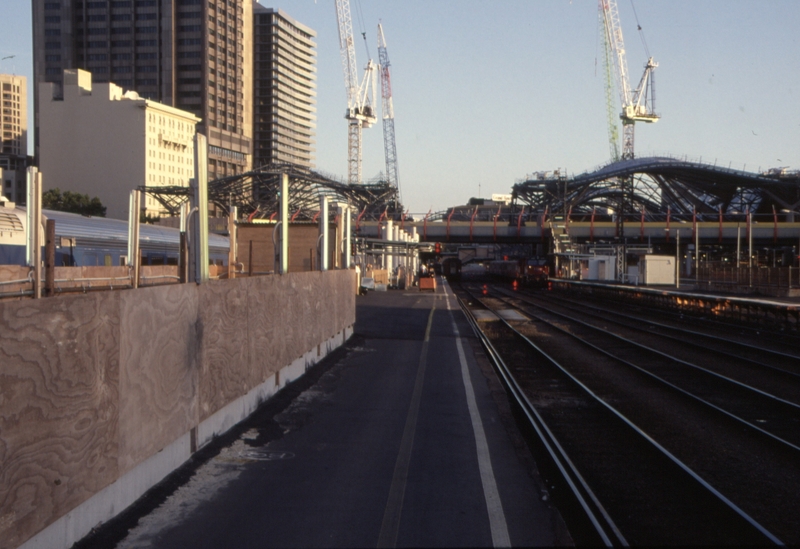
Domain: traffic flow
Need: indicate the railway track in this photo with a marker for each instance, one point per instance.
(651, 448)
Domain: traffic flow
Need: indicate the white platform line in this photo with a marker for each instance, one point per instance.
(494, 506)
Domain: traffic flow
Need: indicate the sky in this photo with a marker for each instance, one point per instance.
(486, 93)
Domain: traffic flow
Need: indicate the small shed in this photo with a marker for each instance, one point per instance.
(657, 269)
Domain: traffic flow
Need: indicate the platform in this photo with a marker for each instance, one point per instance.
(401, 440)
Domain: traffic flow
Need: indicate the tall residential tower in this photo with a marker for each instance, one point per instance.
(284, 117)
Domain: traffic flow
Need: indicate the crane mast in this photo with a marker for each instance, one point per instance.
(360, 98)
(389, 144)
(638, 105)
(613, 129)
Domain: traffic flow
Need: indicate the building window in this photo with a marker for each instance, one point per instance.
(147, 68)
(100, 30)
(146, 30)
(52, 32)
(144, 16)
(52, 71)
(99, 70)
(189, 54)
(146, 43)
(121, 4)
(122, 69)
(100, 44)
(53, 58)
(97, 57)
(190, 41)
(190, 15)
(52, 19)
(120, 56)
(120, 44)
(52, 45)
(145, 3)
(52, 6)
(95, 5)
(150, 55)
(96, 18)
(119, 30)
(121, 17)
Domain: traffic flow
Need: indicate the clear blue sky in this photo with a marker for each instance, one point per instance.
(487, 92)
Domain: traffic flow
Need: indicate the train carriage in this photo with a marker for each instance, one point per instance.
(83, 241)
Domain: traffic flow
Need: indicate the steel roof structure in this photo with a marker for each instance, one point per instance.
(657, 184)
(256, 193)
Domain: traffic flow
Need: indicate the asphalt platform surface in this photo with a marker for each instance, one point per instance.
(401, 438)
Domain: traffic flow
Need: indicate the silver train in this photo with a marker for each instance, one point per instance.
(83, 241)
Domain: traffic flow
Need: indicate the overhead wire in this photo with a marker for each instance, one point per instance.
(641, 32)
(362, 27)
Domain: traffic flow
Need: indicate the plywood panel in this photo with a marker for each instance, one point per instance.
(59, 371)
(267, 329)
(223, 333)
(158, 370)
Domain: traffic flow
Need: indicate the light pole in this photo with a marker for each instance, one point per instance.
(678, 258)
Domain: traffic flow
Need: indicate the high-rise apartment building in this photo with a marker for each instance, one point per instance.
(284, 112)
(195, 55)
(13, 136)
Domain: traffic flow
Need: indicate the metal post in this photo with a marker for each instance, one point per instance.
(200, 234)
(322, 249)
(283, 265)
(738, 246)
(750, 247)
(233, 236)
(183, 261)
(387, 235)
(678, 259)
(50, 258)
(134, 257)
(697, 257)
(348, 250)
(34, 220)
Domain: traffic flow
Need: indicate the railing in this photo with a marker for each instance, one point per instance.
(762, 279)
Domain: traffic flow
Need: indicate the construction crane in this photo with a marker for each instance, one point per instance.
(638, 105)
(360, 98)
(389, 145)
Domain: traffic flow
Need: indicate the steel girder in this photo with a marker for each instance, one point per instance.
(659, 184)
(256, 193)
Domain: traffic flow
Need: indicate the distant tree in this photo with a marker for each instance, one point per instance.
(72, 202)
(150, 219)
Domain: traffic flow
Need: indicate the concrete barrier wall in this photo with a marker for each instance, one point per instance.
(102, 395)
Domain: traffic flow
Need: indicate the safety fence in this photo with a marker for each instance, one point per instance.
(762, 280)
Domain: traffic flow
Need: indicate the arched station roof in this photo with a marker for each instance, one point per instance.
(658, 183)
(256, 193)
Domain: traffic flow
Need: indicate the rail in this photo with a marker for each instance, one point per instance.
(583, 499)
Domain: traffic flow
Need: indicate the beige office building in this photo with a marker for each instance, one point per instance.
(99, 140)
(194, 55)
(13, 136)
